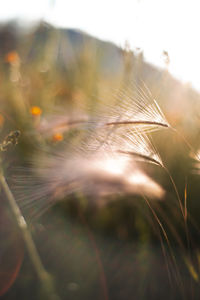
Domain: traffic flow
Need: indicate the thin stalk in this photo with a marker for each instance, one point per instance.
(178, 278)
(176, 191)
(183, 208)
(43, 275)
(141, 156)
(128, 122)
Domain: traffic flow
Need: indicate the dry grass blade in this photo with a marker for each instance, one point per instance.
(136, 144)
(134, 105)
(140, 156)
(137, 122)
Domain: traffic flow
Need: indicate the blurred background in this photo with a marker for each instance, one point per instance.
(59, 60)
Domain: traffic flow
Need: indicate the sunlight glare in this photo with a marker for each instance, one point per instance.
(113, 166)
(153, 26)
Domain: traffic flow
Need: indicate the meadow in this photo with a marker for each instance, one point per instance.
(99, 171)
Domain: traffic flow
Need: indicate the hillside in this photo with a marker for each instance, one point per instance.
(68, 50)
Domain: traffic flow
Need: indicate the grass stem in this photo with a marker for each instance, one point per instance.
(44, 277)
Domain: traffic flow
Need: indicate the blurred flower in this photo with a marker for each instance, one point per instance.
(57, 137)
(36, 111)
(12, 58)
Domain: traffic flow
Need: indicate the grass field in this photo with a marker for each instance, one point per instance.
(99, 171)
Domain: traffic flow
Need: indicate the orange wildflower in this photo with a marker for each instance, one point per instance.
(36, 111)
(12, 57)
(57, 137)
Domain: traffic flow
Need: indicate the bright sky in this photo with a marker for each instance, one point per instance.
(152, 25)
